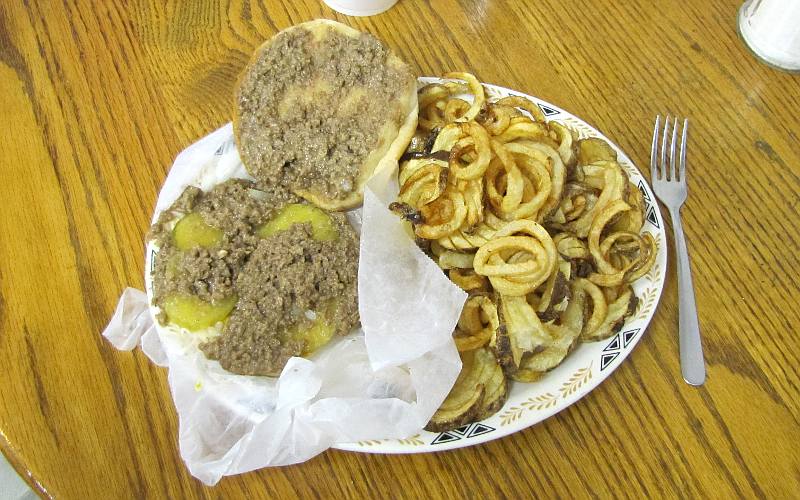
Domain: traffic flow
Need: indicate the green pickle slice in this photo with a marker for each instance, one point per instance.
(193, 313)
(192, 231)
(322, 226)
(319, 333)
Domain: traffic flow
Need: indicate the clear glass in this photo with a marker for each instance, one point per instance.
(771, 30)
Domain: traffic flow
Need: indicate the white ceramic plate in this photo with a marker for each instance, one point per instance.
(587, 366)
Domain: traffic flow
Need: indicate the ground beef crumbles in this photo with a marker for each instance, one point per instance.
(282, 281)
(312, 110)
(288, 280)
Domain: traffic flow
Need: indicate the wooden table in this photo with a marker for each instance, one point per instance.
(98, 98)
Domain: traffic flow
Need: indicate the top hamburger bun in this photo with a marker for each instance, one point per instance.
(319, 108)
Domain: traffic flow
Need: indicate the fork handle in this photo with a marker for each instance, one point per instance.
(692, 364)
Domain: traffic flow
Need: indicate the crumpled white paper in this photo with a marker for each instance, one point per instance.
(382, 381)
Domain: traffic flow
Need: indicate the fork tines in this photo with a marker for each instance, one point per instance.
(661, 170)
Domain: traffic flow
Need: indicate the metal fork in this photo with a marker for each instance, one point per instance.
(671, 190)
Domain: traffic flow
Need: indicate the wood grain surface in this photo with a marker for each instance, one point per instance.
(96, 99)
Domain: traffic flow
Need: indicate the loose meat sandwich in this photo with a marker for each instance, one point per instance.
(260, 271)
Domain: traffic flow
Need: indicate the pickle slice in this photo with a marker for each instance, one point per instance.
(192, 231)
(193, 313)
(319, 333)
(322, 225)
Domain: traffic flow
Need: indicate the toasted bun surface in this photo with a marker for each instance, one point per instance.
(319, 108)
